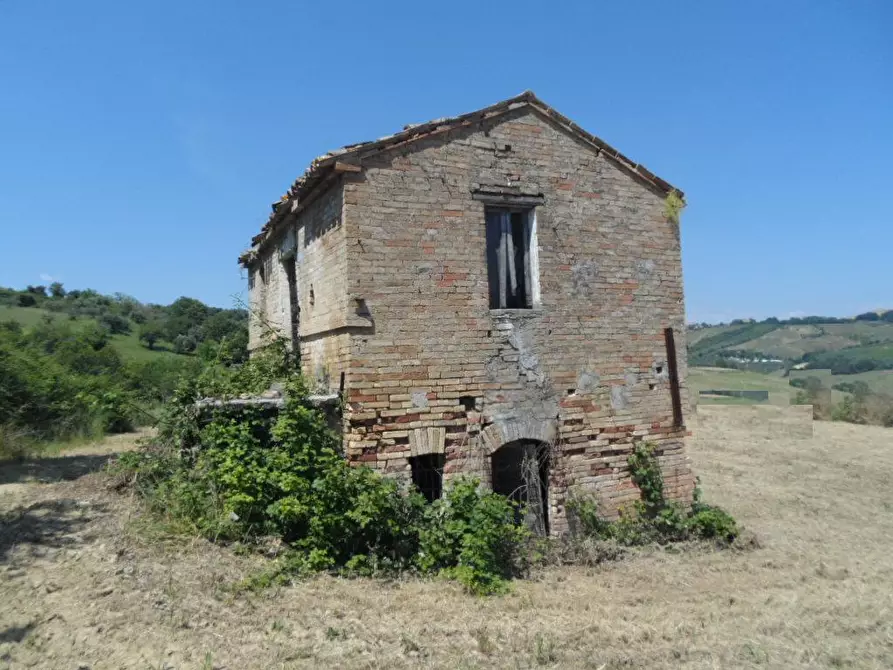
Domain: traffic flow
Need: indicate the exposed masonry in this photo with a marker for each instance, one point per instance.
(389, 249)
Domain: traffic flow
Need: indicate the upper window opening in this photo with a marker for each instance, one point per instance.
(511, 258)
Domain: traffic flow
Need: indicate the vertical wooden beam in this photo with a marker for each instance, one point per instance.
(528, 279)
(673, 372)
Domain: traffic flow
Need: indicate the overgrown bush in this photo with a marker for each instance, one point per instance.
(60, 383)
(653, 518)
(248, 476)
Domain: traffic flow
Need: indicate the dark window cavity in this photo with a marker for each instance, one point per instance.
(427, 475)
(511, 257)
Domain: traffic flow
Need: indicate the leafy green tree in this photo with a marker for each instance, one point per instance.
(184, 344)
(57, 290)
(150, 333)
(184, 315)
(116, 324)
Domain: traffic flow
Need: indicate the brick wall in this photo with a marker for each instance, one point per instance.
(586, 371)
(314, 241)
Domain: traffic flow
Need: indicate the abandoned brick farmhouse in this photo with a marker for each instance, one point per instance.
(497, 294)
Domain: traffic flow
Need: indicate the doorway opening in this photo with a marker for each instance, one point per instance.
(520, 472)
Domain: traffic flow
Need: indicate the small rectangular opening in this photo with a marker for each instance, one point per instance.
(511, 257)
(427, 475)
(673, 374)
(294, 308)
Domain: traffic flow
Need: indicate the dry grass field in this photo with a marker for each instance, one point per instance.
(83, 585)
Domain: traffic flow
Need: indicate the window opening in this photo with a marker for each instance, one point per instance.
(511, 257)
(294, 307)
(427, 475)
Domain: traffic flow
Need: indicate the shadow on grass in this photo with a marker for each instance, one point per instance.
(52, 469)
(15, 633)
(46, 524)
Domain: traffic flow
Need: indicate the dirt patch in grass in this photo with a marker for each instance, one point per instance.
(85, 579)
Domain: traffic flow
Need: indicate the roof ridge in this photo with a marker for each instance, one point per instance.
(318, 168)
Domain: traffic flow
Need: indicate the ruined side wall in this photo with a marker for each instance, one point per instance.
(268, 299)
(586, 370)
(322, 290)
(314, 242)
(255, 307)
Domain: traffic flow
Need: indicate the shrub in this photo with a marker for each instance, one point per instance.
(184, 344)
(849, 410)
(116, 324)
(473, 538)
(653, 518)
(15, 443)
(713, 523)
(150, 333)
(242, 477)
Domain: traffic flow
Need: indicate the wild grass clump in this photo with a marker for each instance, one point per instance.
(248, 476)
(653, 519)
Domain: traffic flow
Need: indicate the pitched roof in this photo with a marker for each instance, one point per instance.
(348, 158)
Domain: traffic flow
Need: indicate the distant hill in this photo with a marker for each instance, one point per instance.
(845, 346)
(127, 345)
(139, 331)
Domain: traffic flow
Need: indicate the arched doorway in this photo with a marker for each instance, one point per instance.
(520, 471)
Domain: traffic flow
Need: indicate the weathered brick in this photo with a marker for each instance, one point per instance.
(404, 241)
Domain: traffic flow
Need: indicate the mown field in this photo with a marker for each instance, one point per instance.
(780, 390)
(87, 582)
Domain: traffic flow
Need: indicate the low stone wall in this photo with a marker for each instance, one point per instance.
(792, 421)
(269, 403)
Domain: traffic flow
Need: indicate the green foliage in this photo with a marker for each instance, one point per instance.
(150, 333)
(850, 409)
(473, 538)
(61, 383)
(859, 389)
(673, 206)
(245, 476)
(185, 324)
(647, 476)
(853, 360)
(653, 518)
(62, 380)
(707, 349)
(115, 323)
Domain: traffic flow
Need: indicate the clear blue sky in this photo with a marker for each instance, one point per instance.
(141, 143)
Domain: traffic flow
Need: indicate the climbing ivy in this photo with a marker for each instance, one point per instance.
(654, 518)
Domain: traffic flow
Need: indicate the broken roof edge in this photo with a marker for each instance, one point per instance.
(322, 166)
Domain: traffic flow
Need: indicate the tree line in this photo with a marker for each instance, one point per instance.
(186, 326)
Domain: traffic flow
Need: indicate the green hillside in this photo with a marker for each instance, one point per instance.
(843, 346)
(127, 345)
(76, 365)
